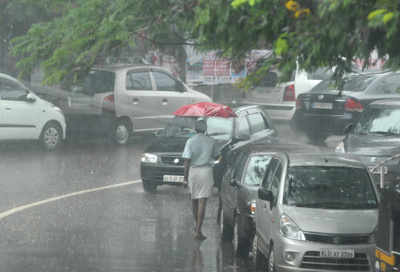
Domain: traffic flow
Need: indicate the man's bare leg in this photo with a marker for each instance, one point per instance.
(195, 209)
(200, 218)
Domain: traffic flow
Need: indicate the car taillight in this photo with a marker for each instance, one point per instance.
(353, 105)
(109, 98)
(108, 103)
(289, 94)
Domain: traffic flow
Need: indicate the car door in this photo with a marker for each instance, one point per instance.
(171, 93)
(264, 216)
(19, 117)
(136, 98)
(229, 187)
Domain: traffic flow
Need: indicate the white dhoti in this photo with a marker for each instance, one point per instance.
(201, 181)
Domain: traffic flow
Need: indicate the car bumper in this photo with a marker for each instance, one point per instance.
(155, 173)
(308, 259)
(324, 124)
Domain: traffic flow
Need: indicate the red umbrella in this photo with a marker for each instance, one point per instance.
(203, 109)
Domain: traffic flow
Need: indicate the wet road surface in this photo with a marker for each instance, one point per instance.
(118, 228)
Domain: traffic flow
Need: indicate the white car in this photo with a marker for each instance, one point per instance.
(25, 116)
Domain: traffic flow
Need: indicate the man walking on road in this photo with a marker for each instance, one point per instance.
(200, 151)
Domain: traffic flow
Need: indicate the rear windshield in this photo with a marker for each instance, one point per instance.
(351, 84)
(329, 188)
(385, 122)
(320, 74)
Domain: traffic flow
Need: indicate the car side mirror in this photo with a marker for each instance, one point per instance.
(30, 98)
(265, 194)
(347, 129)
(180, 87)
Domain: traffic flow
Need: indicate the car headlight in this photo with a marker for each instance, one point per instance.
(340, 148)
(149, 158)
(290, 230)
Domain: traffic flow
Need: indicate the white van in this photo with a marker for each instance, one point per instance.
(124, 99)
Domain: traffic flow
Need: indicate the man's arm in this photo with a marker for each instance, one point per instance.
(186, 170)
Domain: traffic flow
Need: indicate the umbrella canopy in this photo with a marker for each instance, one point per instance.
(205, 109)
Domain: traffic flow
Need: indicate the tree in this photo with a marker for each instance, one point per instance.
(88, 30)
(316, 33)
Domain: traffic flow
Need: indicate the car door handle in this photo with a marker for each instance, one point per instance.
(135, 101)
(164, 102)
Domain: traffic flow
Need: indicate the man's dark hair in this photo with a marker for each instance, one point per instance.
(201, 126)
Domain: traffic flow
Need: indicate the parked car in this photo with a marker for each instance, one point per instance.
(162, 161)
(375, 138)
(25, 116)
(123, 99)
(326, 111)
(279, 99)
(244, 173)
(315, 212)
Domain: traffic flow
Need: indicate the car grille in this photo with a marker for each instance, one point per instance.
(337, 239)
(312, 260)
(172, 160)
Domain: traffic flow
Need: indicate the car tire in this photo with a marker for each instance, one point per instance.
(241, 245)
(257, 257)
(271, 267)
(51, 136)
(121, 132)
(149, 187)
(226, 229)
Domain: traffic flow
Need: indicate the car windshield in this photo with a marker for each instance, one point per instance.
(329, 187)
(380, 121)
(352, 84)
(217, 127)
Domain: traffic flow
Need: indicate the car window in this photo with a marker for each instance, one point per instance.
(136, 80)
(351, 84)
(255, 171)
(386, 85)
(238, 165)
(329, 187)
(320, 74)
(379, 121)
(257, 122)
(270, 173)
(275, 182)
(242, 126)
(10, 90)
(165, 82)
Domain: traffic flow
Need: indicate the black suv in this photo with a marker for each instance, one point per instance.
(162, 161)
(245, 170)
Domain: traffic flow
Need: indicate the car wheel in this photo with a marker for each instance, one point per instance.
(271, 261)
(240, 244)
(257, 256)
(226, 229)
(149, 187)
(122, 131)
(51, 136)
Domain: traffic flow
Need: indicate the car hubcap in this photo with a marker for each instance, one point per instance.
(121, 134)
(51, 137)
(271, 262)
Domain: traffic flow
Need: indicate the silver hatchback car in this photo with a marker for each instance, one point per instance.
(315, 212)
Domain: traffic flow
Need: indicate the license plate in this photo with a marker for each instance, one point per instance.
(172, 178)
(337, 253)
(377, 171)
(323, 106)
